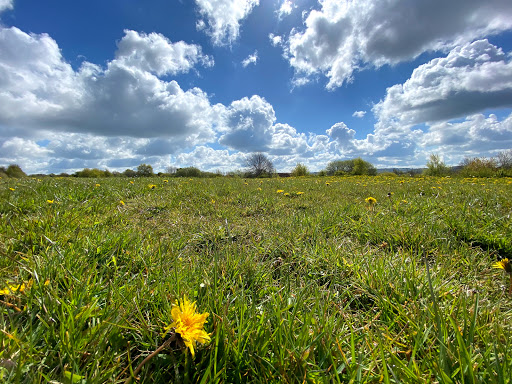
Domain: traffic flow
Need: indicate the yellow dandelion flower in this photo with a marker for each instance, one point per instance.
(10, 289)
(121, 202)
(188, 324)
(151, 186)
(259, 189)
(280, 191)
(12, 189)
(504, 264)
(371, 200)
(49, 201)
(166, 181)
(286, 194)
(97, 185)
(300, 193)
(327, 183)
(131, 182)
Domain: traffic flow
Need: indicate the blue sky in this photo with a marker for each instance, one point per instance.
(206, 83)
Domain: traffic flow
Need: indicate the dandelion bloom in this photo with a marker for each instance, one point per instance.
(166, 181)
(151, 186)
(131, 182)
(371, 200)
(504, 264)
(49, 201)
(97, 185)
(10, 289)
(300, 193)
(280, 191)
(188, 324)
(121, 202)
(287, 194)
(12, 189)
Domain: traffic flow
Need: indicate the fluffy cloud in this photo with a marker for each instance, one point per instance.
(474, 136)
(40, 90)
(6, 4)
(285, 9)
(342, 134)
(359, 114)
(275, 40)
(35, 82)
(223, 18)
(156, 54)
(345, 36)
(207, 158)
(247, 124)
(286, 141)
(470, 79)
(251, 59)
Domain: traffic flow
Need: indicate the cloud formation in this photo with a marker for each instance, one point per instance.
(40, 90)
(343, 37)
(475, 135)
(470, 79)
(285, 9)
(251, 59)
(6, 4)
(359, 114)
(221, 18)
(247, 124)
(157, 54)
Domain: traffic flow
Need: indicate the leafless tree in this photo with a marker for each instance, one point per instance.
(504, 159)
(259, 164)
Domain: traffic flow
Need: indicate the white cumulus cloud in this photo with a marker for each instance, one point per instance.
(275, 40)
(6, 4)
(251, 59)
(285, 9)
(157, 54)
(345, 36)
(223, 18)
(470, 79)
(359, 114)
(40, 90)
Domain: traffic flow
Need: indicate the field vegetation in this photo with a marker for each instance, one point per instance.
(354, 279)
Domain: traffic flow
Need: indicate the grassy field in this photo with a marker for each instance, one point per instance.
(304, 280)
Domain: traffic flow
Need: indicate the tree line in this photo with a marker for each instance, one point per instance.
(259, 165)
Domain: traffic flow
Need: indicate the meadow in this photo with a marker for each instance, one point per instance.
(305, 280)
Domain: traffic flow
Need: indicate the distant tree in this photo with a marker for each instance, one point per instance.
(188, 172)
(15, 171)
(87, 172)
(362, 167)
(504, 159)
(259, 165)
(478, 167)
(436, 167)
(170, 170)
(300, 170)
(339, 167)
(350, 167)
(129, 173)
(145, 170)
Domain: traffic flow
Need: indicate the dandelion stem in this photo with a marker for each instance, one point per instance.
(150, 356)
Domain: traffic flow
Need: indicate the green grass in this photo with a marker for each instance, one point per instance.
(310, 288)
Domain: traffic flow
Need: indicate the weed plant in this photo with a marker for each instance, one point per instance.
(315, 284)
